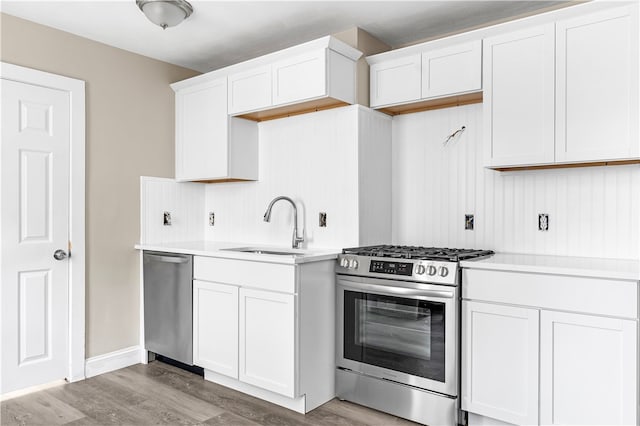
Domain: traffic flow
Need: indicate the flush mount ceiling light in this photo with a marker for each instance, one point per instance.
(165, 13)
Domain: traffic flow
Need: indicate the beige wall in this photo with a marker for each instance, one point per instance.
(368, 45)
(130, 132)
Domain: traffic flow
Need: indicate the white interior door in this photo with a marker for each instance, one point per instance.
(34, 224)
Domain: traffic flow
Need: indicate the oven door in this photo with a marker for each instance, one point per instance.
(389, 330)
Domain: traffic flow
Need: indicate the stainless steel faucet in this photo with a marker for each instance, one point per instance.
(295, 240)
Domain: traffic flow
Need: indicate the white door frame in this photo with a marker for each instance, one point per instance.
(76, 91)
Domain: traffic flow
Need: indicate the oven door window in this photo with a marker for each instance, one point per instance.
(397, 333)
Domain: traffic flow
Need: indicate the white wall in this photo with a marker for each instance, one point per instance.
(185, 202)
(314, 159)
(593, 211)
(374, 175)
(310, 158)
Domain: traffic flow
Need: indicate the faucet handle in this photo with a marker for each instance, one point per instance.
(296, 241)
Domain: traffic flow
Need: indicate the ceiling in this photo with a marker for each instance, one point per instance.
(221, 33)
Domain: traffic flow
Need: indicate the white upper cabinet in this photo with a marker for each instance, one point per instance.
(519, 97)
(322, 71)
(395, 81)
(421, 73)
(565, 92)
(209, 144)
(250, 90)
(452, 70)
(597, 87)
(299, 78)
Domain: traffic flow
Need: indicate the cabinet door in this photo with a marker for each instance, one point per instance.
(215, 327)
(453, 70)
(299, 78)
(518, 82)
(597, 94)
(500, 362)
(201, 131)
(587, 370)
(395, 81)
(267, 340)
(250, 90)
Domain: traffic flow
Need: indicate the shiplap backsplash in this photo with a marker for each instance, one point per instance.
(593, 212)
(185, 202)
(314, 159)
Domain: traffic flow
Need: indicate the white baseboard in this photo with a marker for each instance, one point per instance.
(111, 361)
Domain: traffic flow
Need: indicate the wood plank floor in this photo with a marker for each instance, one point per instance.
(160, 394)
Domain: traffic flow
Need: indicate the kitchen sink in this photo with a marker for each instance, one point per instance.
(257, 250)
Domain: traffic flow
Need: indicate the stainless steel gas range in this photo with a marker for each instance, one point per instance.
(398, 336)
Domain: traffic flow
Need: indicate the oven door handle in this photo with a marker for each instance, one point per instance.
(399, 291)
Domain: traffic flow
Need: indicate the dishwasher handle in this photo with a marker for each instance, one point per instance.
(168, 259)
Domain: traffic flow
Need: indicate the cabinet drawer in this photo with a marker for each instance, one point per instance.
(267, 276)
(577, 294)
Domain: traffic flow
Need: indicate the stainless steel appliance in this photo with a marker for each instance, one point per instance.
(168, 305)
(399, 330)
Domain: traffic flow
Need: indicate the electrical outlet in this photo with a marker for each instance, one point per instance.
(166, 220)
(212, 218)
(468, 222)
(322, 220)
(543, 222)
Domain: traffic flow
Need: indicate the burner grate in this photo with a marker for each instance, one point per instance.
(417, 252)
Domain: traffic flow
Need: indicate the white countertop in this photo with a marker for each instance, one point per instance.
(218, 249)
(622, 269)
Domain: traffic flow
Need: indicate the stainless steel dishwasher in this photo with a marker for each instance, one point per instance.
(168, 305)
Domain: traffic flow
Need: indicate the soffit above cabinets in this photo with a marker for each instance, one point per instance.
(219, 34)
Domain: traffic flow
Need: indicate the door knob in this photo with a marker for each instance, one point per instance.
(59, 255)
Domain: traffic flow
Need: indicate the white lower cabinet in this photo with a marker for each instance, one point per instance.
(267, 340)
(500, 358)
(215, 327)
(541, 364)
(588, 370)
(267, 328)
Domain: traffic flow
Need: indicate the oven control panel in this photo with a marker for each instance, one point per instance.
(393, 268)
(418, 270)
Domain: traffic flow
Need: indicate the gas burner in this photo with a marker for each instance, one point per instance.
(415, 252)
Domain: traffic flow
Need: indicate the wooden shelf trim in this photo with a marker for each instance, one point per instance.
(430, 104)
(222, 180)
(566, 165)
(295, 109)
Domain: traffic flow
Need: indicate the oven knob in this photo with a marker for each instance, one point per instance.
(353, 264)
(344, 262)
(420, 269)
(444, 271)
(431, 270)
